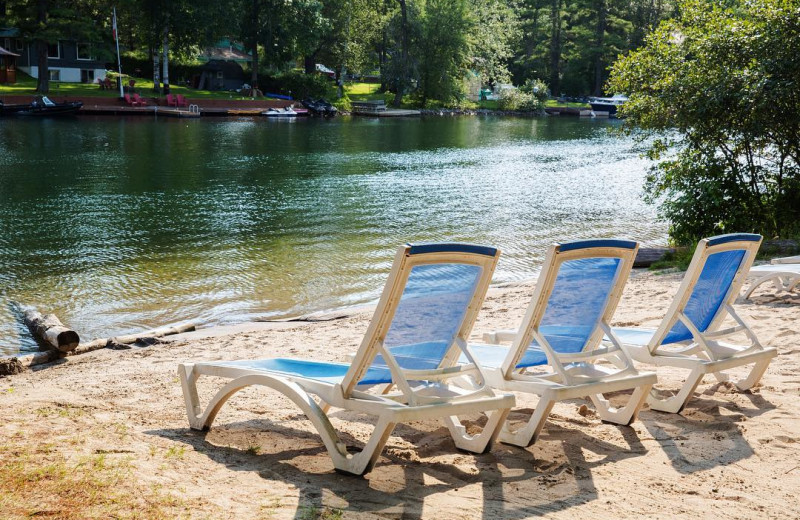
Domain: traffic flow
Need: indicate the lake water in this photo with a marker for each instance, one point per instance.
(116, 225)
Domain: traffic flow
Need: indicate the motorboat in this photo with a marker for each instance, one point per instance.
(280, 112)
(319, 107)
(608, 105)
(41, 106)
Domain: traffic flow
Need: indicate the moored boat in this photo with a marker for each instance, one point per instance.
(280, 112)
(42, 106)
(609, 105)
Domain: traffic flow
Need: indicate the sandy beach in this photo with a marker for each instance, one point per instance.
(105, 435)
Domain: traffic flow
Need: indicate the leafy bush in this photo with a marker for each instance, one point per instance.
(537, 88)
(343, 104)
(717, 92)
(516, 99)
(298, 85)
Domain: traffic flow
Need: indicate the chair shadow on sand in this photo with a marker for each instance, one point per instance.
(708, 417)
(513, 479)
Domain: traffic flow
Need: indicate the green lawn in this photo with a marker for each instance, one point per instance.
(555, 103)
(26, 86)
(363, 91)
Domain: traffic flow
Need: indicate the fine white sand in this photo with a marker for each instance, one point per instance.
(728, 455)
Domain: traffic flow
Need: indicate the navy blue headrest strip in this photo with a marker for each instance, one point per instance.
(419, 249)
(733, 237)
(598, 242)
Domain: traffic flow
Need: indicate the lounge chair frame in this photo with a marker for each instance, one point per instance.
(578, 374)
(436, 399)
(705, 353)
(784, 275)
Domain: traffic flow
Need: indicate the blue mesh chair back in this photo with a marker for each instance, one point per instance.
(708, 294)
(578, 301)
(429, 315)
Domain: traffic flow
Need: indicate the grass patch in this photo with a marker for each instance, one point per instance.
(175, 452)
(362, 91)
(316, 513)
(42, 482)
(556, 103)
(26, 86)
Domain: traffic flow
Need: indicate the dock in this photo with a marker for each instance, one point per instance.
(378, 109)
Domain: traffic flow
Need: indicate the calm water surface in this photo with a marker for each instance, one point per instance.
(120, 224)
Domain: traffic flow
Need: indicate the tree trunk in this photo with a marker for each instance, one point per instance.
(343, 69)
(400, 84)
(255, 14)
(555, 48)
(599, 68)
(43, 82)
(157, 70)
(254, 68)
(165, 43)
(49, 332)
(310, 64)
(43, 69)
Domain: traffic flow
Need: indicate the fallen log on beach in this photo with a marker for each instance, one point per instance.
(49, 332)
(15, 365)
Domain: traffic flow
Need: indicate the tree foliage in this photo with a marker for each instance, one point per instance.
(723, 82)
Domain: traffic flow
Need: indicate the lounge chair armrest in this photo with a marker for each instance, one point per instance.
(498, 336)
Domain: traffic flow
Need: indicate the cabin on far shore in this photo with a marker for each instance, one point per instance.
(69, 61)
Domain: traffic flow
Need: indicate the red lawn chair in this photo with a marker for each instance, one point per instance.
(131, 102)
(142, 102)
(182, 101)
(171, 101)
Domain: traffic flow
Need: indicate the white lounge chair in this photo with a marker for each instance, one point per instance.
(428, 305)
(786, 260)
(556, 352)
(690, 336)
(784, 273)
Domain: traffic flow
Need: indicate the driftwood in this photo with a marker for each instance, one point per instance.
(16, 365)
(647, 256)
(49, 332)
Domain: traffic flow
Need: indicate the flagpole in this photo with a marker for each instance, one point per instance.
(119, 61)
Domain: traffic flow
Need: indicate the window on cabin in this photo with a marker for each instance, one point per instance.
(87, 76)
(55, 75)
(19, 44)
(54, 50)
(84, 51)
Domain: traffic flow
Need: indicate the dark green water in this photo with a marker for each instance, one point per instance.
(120, 224)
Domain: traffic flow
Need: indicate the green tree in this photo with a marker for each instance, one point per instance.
(444, 50)
(45, 22)
(719, 89)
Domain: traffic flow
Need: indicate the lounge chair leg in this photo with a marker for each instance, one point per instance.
(528, 434)
(676, 403)
(625, 415)
(482, 442)
(356, 464)
(363, 461)
(722, 376)
(188, 379)
(754, 376)
(774, 278)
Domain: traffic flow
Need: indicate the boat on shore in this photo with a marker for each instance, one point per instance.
(608, 105)
(42, 106)
(280, 112)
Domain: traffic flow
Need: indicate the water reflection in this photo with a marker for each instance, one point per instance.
(118, 224)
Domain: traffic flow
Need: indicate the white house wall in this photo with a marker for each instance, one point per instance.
(68, 75)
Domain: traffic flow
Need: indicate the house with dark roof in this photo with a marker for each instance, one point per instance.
(69, 61)
(220, 75)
